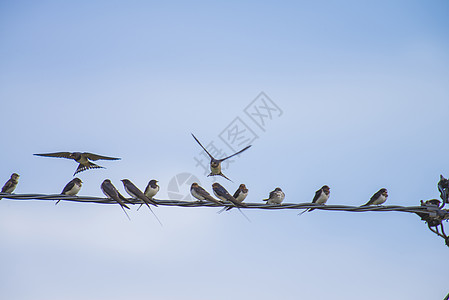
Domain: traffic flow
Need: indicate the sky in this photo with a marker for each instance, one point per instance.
(360, 99)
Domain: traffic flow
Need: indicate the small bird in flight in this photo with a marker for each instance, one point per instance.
(72, 188)
(275, 197)
(201, 194)
(215, 164)
(11, 184)
(378, 198)
(321, 197)
(112, 193)
(81, 158)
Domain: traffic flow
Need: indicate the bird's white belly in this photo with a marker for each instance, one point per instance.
(277, 199)
(151, 192)
(241, 197)
(322, 199)
(196, 195)
(76, 188)
(380, 200)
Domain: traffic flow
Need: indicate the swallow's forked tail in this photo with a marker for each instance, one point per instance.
(90, 165)
(221, 174)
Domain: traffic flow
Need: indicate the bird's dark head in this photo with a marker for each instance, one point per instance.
(77, 180)
(15, 176)
(107, 181)
(242, 186)
(216, 185)
(384, 192)
(75, 155)
(278, 189)
(194, 185)
(326, 189)
(153, 182)
(214, 164)
(125, 180)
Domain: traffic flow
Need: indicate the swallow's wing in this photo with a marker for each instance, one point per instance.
(317, 195)
(206, 195)
(68, 186)
(92, 156)
(211, 157)
(236, 194)
(82, 167)
(372, 199)
(56, 154)
(7, 185)
(136, 191)
(234, 154)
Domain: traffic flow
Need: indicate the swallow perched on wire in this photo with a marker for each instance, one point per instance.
(81, 158)
(111, 192)
(72, 188)
(151, 189)
(378, 198)
(239, 195)
(11, 184)
(201, 194)
(224, 195)
(275, 197)
(135, 192)
(321, 197)
(215, 164)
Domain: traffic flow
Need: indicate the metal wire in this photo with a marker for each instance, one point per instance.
(433, 215)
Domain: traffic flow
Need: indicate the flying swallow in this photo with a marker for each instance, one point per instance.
(224, 195)
(11, 184)
(215, 164)
(378, 198)
(275, 197)
(72, 188)
(151, 189)
(135, 192)
(111, 192)
(321, 197)
(201, 194)
(81, 158)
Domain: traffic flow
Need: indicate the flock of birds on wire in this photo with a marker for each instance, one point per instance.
(84, 160)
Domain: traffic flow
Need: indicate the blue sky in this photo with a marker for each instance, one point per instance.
(364, 91)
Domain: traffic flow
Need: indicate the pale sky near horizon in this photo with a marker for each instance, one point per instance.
(364, 94)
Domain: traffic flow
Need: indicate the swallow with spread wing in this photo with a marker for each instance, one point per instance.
(215, 164)
(83, 158)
